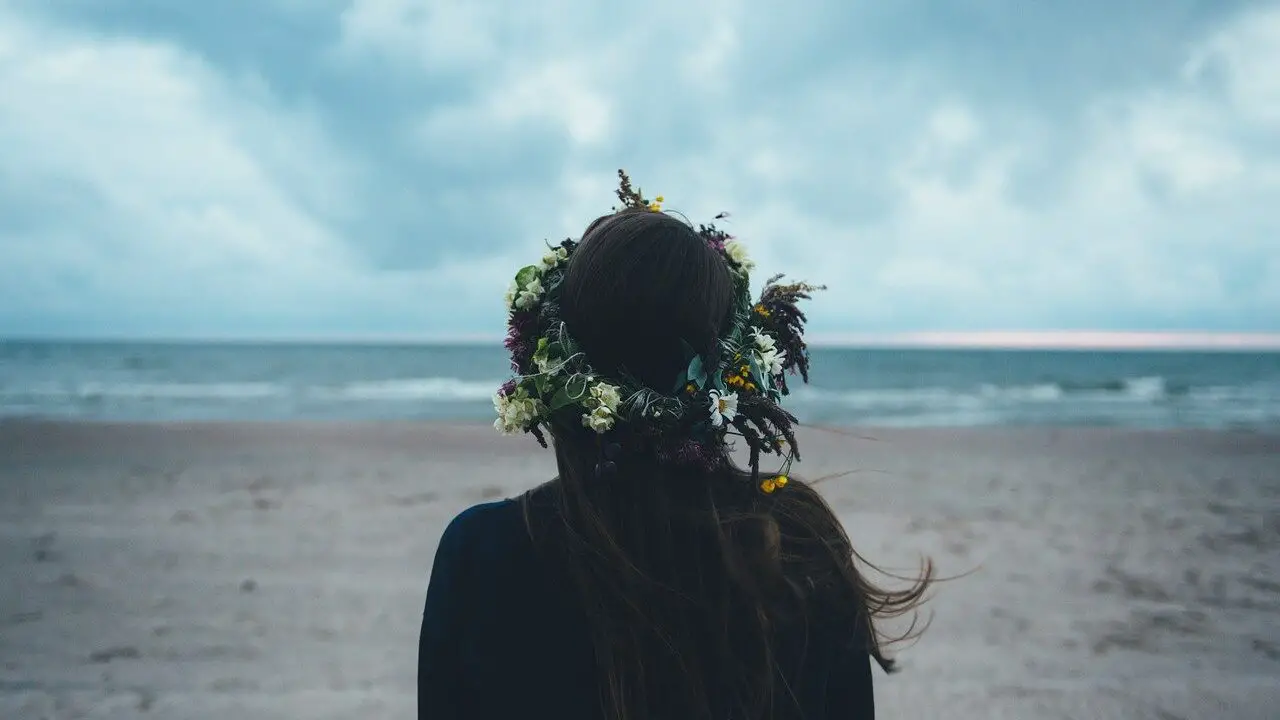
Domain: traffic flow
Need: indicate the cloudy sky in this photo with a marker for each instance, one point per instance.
(338, 168)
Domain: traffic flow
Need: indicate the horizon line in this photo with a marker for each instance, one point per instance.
(910, 340)
(1056, 340)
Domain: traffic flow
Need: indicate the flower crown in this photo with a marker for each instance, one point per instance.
(733, 390)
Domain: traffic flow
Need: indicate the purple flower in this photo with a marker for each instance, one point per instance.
(520, 339)
(507, 388)
(690, 453)
(521, 356)
(520, 329)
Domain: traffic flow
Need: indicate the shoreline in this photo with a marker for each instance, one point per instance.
(276, 569)
(436, 423)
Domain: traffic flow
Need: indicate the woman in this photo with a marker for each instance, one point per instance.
(652, 578)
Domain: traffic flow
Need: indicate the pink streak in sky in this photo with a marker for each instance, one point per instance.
(1065, 340)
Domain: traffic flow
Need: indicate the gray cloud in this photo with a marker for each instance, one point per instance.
(288, 167)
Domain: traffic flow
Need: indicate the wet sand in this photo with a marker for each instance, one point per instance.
(278, 570)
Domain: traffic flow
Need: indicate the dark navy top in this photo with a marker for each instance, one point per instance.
(502, 637)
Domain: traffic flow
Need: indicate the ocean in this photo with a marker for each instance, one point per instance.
(882, 387)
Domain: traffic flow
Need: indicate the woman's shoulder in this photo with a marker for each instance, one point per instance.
(486, 513)
(487, 555)
(497, 527)
(484, 520)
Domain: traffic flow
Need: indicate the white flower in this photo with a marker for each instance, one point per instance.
(606, 395)
(764, 341)
(516, 412)
(772, 361)
(552, 259)
(771, 358)
(529, 295)
(737, 252)
(512, 291)
(723, 407)
(507, 417)
(599, 420)
(604, 403)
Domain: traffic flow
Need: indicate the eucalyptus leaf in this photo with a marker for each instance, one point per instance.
(697, 372)
(717, 383)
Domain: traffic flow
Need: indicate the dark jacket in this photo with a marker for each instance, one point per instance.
(502, 637)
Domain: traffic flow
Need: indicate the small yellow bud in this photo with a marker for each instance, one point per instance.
(781, 481)
(768, 486)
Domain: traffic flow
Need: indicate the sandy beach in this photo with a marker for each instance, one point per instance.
(278, 570)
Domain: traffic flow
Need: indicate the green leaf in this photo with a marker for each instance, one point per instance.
(759, 372)
(680, 383)
(561, 399)
(577, 385)
(695, 373)
(543, 384)
(717, 382)
(540, 356)
(526, 275)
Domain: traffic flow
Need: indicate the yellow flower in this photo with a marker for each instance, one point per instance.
(751, 387)
(768, 486)
(781, 481)
(656, 204)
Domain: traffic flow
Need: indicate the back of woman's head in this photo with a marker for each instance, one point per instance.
(687, 572)
(640, 288)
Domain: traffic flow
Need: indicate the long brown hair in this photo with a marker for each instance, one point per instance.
(686, 577)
